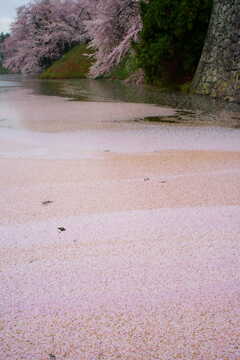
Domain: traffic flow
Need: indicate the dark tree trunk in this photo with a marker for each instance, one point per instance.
(218, 72)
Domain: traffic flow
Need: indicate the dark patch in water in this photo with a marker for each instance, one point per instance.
(185, 113)
(162, 119)
(181, 117)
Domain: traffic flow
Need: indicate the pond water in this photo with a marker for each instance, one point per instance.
(190, 109)
(119, 222)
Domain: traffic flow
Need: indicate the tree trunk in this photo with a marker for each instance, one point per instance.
(218, 72)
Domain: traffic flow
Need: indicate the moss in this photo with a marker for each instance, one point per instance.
(74, 64)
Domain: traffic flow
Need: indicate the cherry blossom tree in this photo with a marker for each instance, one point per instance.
(113, 26)
(42, 32)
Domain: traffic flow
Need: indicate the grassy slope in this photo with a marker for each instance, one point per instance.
(74, 64)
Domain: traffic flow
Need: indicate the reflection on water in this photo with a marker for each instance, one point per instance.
(7, 82)
(106, 90)
(192, 109)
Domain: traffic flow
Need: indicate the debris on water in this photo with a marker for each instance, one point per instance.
(47, 202)
(61, 228)
(52, 356)
(185, 112)
(173, 119)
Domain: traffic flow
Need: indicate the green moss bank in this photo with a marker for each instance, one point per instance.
(74, 64)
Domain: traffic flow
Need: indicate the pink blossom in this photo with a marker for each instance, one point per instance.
(114, 24)
(42, 32)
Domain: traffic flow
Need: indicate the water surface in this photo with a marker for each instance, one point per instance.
(192, 110)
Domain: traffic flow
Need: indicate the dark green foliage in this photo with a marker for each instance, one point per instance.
(172, 38)
(3, 36)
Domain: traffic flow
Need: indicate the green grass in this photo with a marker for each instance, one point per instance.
(3, 70)
(74, 64)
